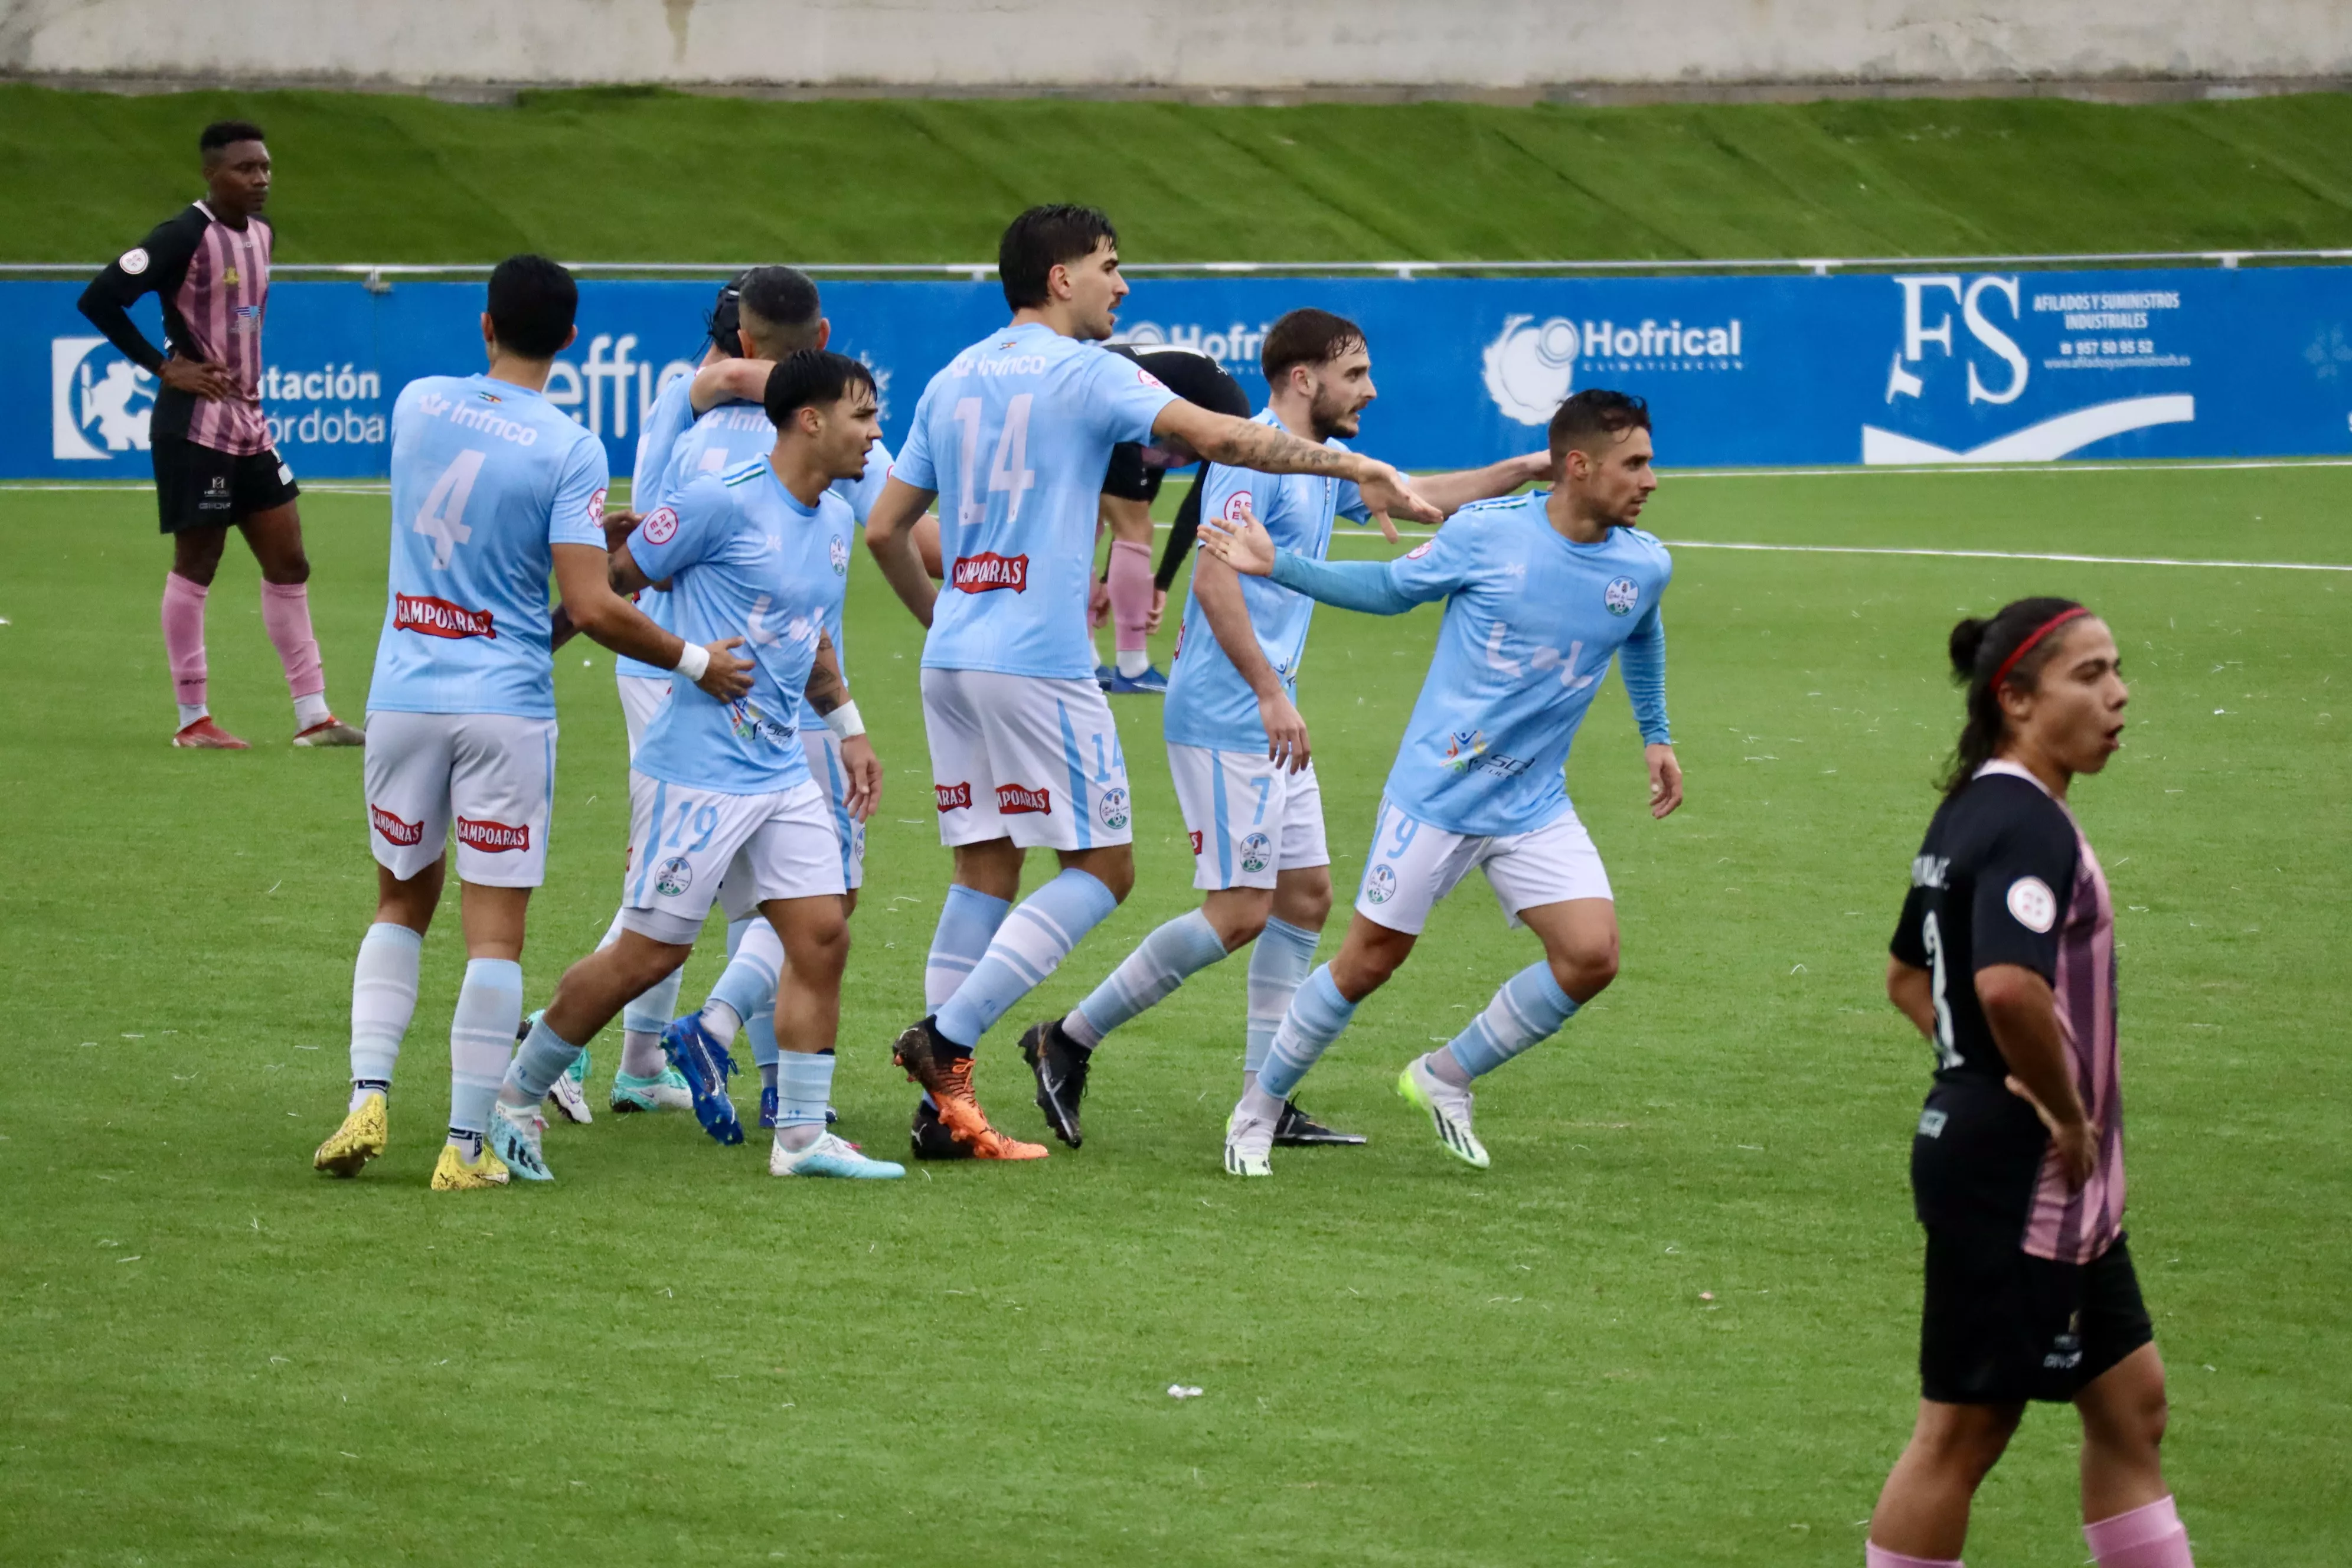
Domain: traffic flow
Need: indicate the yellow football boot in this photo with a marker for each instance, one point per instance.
(360, 1138)
(453, 1173)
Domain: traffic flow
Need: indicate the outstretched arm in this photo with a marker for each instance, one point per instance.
(1246, 443)
(1450, 492)
(1371, 586)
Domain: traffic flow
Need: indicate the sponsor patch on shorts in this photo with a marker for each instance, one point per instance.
(492, 837)
(395, 829)
(1015, 800)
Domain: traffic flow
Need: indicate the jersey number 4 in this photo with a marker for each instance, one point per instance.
(1931, 937)
(1011, 471)
(442, 518)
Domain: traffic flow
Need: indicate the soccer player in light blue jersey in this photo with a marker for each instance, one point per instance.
(1541, 591)
(1238, 749)
(1014, 437)
(762, 315)
(493, 487)
(722, 806)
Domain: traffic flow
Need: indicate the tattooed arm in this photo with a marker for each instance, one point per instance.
(828, 693)
(1247, 444)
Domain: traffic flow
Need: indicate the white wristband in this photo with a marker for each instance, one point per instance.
(845, 722)
(693, 658)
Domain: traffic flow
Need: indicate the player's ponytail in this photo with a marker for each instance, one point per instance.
(2007, 650)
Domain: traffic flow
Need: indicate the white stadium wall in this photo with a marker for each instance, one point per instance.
(1180, 45)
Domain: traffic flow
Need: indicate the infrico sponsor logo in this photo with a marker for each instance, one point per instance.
(1531, 367)
(492, 837)
(986, 573)
(434, 618)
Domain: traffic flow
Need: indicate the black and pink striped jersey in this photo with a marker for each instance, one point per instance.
(213, 282)
(2005, 875)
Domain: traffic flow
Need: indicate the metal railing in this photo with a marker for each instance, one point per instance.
(380, 275)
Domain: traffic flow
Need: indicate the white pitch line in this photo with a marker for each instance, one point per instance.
(1960, 554)
(2058, 468)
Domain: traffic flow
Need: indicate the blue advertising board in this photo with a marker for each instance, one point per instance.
(1888, 368)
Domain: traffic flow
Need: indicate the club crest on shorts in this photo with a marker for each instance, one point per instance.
(1257, 849)
(1379, 885)
(673, 877)
(1622, 595)
(1111, 809)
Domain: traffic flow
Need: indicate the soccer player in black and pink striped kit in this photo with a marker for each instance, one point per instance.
(2005, 960)
(209, 265)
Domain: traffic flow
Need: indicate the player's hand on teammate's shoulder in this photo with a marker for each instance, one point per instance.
(728, 677)
(199, 377)
(1240, 540)
(1666, 779)
(1286, 732)
(1534, 467)
(864, 771)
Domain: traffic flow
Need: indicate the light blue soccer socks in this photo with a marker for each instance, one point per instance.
(968, 923)
(545, 1057)
(481, 1035)
(1031, 944)
(1317, 1013)
(1529, 1008)
(383, 998)
(804, 1090)
(1161, 962)
(1280, 961)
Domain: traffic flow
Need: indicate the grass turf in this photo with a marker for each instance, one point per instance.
(378, 178)
(1674, 1324)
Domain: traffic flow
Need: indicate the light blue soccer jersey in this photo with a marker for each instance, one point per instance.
(1532, 620)
(671, 416)
(487, 478)
(744, 559)
(1209, 704)
(735, 433)
(1014, 436)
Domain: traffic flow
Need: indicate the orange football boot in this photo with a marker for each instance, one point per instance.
(947, 1079)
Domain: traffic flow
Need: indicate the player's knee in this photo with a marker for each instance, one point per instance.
(823, 952)
(1115, 871)
(1585, 973)
(1308, 907)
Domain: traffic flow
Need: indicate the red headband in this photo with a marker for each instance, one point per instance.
(2044, 630)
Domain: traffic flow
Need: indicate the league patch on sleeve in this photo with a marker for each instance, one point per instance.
(2034, 904)
(134, 260)
(1236, 505)
(660, 526)
(1418, 550)
(596, 507)
(1148, 379)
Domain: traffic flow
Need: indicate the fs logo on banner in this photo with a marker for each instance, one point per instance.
(2000, 368)
(100, 402)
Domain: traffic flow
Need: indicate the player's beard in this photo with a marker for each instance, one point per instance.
(1335, 421)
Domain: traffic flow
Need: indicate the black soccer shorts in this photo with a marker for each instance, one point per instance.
(2002, 1327)
(201, 487)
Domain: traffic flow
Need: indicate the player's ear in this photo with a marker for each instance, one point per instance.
(569, 339)
(823, 332)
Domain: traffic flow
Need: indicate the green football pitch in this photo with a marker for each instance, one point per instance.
(1675, 1323)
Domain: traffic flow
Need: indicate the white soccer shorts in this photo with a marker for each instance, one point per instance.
(1413, 865)
(1025, 758)
(822, 749)
(684, 842)
(641, 699)
(1249, 819)
(489, 776)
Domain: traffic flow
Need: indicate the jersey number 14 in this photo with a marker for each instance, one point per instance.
(1011, 471)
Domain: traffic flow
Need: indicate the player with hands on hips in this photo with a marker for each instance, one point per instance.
(1541, 591)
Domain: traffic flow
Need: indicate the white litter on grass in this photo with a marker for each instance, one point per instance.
(134, 1036)
(1180, 1391)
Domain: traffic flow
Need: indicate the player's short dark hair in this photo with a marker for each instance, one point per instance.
(1978, 649)
(808, 377)
(221, 132)
(784, 296)
(1307, 336)
(1595, 413)
(533, 302)
(723, 325)
(1041, 239)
